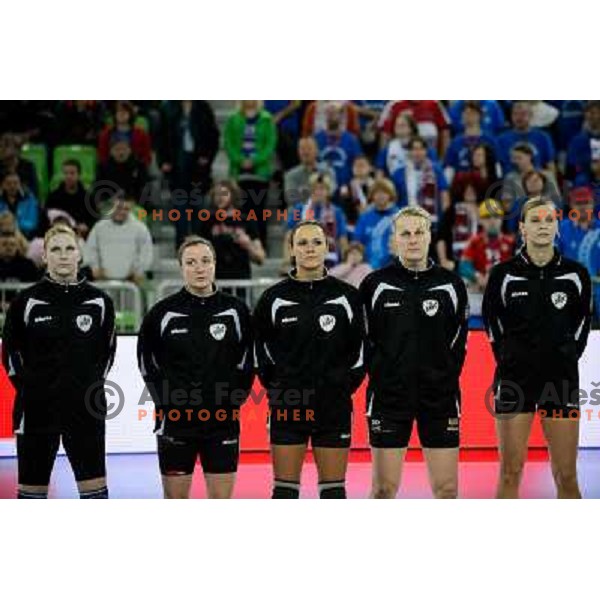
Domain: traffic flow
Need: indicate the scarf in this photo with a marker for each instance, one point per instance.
(421, 188)
(396, 156)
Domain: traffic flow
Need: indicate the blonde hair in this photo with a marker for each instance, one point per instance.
(535, 202)
(321, 179)
(58, 230)
(383, 185)
(413, 211)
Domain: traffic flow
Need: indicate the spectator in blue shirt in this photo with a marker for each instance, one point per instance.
(586, 146)
(458, 155)
(320, 208)
(337, 148)
(492, 116)
(421, 182)
(573, 240)
(374, 226)
(521, 132)
(21, 203)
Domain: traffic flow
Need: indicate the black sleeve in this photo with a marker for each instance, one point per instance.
(459, 341)
(13, 337)
(357, 345)
(584, 310)
(365, 292)
(110, 337)
(263, 331)
(209, 138)
(147, 353)
(245, 366)
(491, 312)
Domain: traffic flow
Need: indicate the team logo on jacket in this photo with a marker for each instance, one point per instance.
(84, 322)
(327, 322)
(218, 331)
(559, 299)
(430, 307)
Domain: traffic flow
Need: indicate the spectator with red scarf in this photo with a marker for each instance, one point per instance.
(430, 115)
(487, 248)
(421, 182)
(124, 130)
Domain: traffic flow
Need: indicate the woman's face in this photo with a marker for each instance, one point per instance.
(61, 255)
(534, 185)
(402, 128)
(381, 199)
(319, 193)
(223, 198)
(418, 153)
(479, 158)
(198, 268)
(309, 247)
(540, 226)
(122, 116)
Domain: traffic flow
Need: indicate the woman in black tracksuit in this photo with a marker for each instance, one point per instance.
(309, 346)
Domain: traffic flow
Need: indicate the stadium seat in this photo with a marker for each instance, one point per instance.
(86, 155)
(38, 155)
(125, 322)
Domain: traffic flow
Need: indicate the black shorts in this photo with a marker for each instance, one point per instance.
(434, 431)
(36, 453)
(219, 452)
(292, 432)
(552, 402)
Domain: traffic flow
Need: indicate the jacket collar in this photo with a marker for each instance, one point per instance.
(526, 259)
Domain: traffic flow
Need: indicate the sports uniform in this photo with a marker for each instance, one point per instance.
(59, 344)
(309, 350)
(195, 355)
(417, 324)
(538, 321)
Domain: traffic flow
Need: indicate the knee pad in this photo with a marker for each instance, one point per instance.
(289, 490)
(332, 490)
(98, 494)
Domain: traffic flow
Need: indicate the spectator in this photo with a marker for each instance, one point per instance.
(11, 161)
(421, 182)
(522, 158)
(250, 141)
(355, 196)
(375, 225)
(460, 151)
(431, 118)
(320, 208)
(483, 175)
(119, 247)
(570, 121)
(459, 224)
(487, 248)
(354, 268)
(337, 147)
(189, 145)
(315, 117)
(13, 265)
(522, 133)
(591, 177)
(573, 240)
(286, 116)
(394, 154)
(369, 113)
(8, 225)
(296, 180)
(123, 130)
(70, 197)
(123, 170)
(80, 121)
(492, 116)
(21, 203)
(235, 239)
(585, 147)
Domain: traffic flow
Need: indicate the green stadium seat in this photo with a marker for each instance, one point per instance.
(38, 155)
(87, 157)
(125, 322)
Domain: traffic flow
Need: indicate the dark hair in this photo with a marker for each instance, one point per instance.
(417, 139)
(195, 240)
(473, 105)
(8, 173)
(127, 106)
(591, 104)
(414, 129)
(303, 224)
(531, 174)
(490, 160)
(233, 189)
(524, 148)
(73, 162)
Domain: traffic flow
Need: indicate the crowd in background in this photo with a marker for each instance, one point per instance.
(350, 164)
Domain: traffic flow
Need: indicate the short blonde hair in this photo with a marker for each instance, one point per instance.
(413, 211)
(321, 179)
(383, 185)
(535, 202)
(60, 229)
